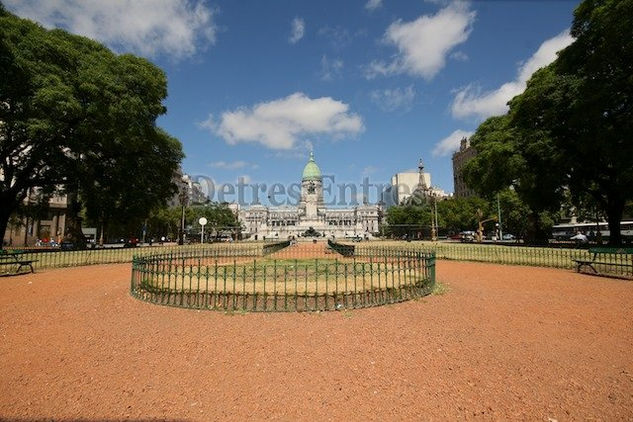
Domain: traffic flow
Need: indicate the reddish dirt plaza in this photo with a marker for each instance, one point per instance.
(503, 343)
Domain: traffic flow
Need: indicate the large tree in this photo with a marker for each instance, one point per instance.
(508, 158)
(75, 116)
(409, 219)
(583, 105)
(568, 136)
(166, 221)
(111, 201)
(33, 142)
(462, 214)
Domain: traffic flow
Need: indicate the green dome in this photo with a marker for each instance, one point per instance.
(311, 171)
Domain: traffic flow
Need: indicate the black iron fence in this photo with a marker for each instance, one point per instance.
(218, 279)
(270, 248)
(343, 249)
(57, 258)
(499, 254)
(611, 262)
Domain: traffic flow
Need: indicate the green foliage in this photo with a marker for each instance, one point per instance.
(407, 219)
(582, 104)
(459, 214)
(109, 197)
(454, 215)
(166, 221)
(218, 216)
(498, 163)
(567, 137)
(409, 214)
(76, 115)
(511, 160)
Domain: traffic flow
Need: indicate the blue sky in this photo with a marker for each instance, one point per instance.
(371, 86)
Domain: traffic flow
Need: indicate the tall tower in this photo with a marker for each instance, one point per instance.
(421, 183)
(311, 189)
(421, 191)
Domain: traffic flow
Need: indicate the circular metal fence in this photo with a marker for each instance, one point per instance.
(221, 280)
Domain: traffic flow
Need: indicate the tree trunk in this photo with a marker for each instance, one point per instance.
(5, 214)
(10, 205)
(101, 233)
(615, 209)
(534, 233)
(73, 222)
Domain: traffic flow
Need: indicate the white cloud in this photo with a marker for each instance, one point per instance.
(460, 56)
(279, 123)
(469, 101)
(450, 144)
(232, 165)
(338, 36)
(373, 4)
(178, 28)
(330, 68)
(297, 31)
(424, 43)
(393, 99)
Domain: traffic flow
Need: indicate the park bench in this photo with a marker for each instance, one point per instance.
(14, 263)
(608, 261)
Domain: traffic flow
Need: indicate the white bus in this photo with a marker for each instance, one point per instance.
(566, 231)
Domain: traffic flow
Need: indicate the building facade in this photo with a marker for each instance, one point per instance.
(404, 184)
(465, 153)
(310, 216)
(189, 192)
(31, 231)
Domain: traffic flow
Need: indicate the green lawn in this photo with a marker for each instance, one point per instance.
(287, 276)
(500, 254)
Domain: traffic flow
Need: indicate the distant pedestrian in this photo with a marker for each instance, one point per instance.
(580, 239)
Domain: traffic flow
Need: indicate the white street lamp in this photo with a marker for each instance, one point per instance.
(202, 221)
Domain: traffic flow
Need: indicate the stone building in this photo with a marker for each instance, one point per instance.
(26, 231)
(311, 215)
(460, 158)
(189, 192)
(404, 184)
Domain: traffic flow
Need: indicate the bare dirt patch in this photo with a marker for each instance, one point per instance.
(502, 343)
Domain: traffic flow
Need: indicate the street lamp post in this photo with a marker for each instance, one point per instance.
(499, 218)
(183, 203)
(203, 222)
(434, 225)
(437, 223)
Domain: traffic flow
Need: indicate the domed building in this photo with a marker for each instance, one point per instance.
(311, 216)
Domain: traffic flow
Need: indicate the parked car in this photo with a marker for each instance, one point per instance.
(508, 236)
(132, 242)
(580, 239)
(467, 236)
(67, 245)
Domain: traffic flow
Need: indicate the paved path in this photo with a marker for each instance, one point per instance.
(504, 343)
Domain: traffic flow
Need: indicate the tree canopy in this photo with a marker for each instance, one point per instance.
(454, 215)
(78, 118)
(570, 132)
(165, 221)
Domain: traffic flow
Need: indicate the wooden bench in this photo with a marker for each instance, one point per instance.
(12, 260)
(618, 259)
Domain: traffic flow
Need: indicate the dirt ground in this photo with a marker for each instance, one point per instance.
(501, 343)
